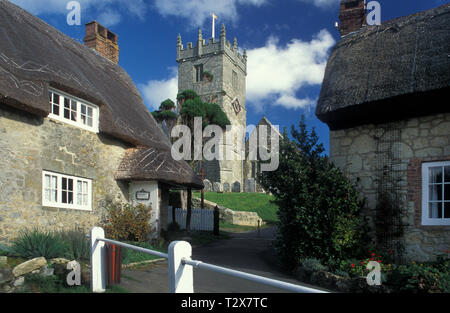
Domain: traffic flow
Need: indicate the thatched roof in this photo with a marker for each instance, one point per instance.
(35, 56)
(387, 72)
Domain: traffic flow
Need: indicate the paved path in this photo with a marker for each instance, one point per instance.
(248, 252)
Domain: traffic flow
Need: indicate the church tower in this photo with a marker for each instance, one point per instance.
(217, 72)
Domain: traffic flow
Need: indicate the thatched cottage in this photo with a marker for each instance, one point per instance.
(385, 99)
(74, 131)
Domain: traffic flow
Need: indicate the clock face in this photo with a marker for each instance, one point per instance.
(236, 106)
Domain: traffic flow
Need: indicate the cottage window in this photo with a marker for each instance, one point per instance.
(73, 111)
(436, 193)
(68, 192)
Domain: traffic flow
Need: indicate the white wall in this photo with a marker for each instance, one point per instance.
(152, 187)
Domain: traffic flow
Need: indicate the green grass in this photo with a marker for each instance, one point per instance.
(35, 283)
(250, 202)
(132, 256)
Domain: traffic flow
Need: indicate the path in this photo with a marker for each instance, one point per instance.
(248, 252)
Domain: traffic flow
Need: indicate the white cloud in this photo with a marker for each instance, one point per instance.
(197, 12)
(322, 3)
(106, 11)
(277, 73)
(156, 91)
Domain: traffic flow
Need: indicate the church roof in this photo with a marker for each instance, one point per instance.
(35, 56)
(388, 72)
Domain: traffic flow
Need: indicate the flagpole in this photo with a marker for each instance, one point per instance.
(213, 25)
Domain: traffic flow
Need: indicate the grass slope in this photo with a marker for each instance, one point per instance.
(250, 202)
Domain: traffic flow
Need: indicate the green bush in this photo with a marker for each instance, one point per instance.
(124, 221)
(318, 207)
(312, 265)
(5, 250)
(421, 277)
(33, 244)
(78, 245)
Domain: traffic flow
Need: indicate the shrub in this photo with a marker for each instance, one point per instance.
(319, 208)
(33, 244)
(128, 222)
(5, 250)
(421, 277)
(312, 265)
(78, 245)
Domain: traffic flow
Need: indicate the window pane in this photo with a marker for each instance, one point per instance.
(435, 210)
(64, 183)
(447, 192)
(435, 174)
(83, 109)
(70, 184)
(54, 188)
(64, 197)
(447, 174)
(55, 98)
(47, 181)
(435, 192)
(89, 121)
(47, 187)
(50, 96)
(66, 108)
(56, 109)
(79, 192)
(70, 197)
(66, 103)
(73, 105)
(90, 115)
(447, 210)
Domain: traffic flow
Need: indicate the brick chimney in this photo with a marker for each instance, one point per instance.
(102, 40)
(352, 16)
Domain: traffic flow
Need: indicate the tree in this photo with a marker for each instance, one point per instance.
(166, 116)
(319, 208)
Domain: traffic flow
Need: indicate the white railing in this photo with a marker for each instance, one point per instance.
(200, 219)
(181, 266)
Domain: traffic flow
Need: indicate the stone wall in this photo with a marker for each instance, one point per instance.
(369, 153)
(29, 145)
(233, 217)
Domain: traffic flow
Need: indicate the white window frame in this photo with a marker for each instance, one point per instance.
(426, 220)
(59, 192)
(79, 102)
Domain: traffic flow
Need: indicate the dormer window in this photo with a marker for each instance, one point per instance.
(73, 111)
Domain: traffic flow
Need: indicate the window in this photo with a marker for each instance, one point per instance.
(436, 193)
(198, 73)
(68, 192)
(73, 111)
(234, 79)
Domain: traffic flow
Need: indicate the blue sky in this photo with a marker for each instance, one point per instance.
(288, 42)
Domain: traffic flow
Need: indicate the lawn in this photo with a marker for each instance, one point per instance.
(250, 202)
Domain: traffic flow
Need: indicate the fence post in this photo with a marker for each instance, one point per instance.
(98, 266)
(181, 278)
(216, 221)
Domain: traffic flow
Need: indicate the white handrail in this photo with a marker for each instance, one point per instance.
(180, 266)
(259, 279)
(136, 248)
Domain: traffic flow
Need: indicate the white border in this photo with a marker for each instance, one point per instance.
(60, 117)
(61, 205)
(426, 221)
